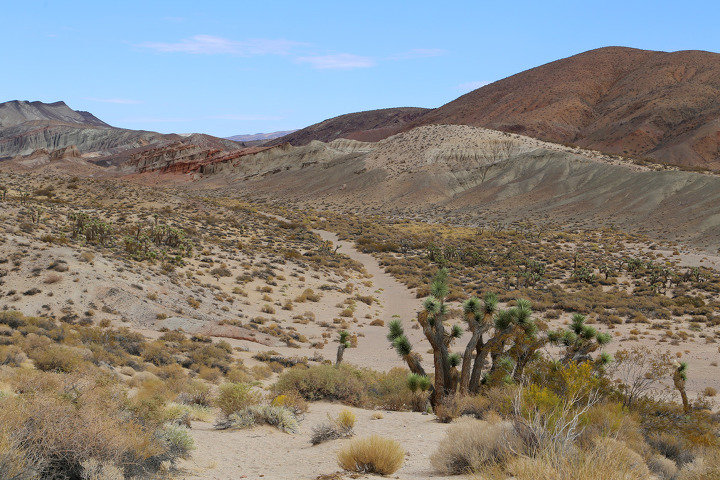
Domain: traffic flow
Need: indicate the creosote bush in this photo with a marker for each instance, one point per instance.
(234, 397)
(373, 454)
(359, 387)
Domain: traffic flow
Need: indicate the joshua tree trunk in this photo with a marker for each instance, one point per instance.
(340, 353)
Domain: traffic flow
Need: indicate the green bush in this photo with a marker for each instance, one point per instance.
(234, 397)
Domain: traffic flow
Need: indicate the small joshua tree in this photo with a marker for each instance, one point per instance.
(419, 385)
(580, 340)
(679, 379)
(343, 338)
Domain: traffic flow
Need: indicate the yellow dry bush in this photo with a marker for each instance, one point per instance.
(346, 419)
(373, 454)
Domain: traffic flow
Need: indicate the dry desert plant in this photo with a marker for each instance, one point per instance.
(607, 459)
(373, 454)
(475, 444)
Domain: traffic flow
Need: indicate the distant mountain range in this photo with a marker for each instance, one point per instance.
(38, 129)
(259, 136)
(640, 103)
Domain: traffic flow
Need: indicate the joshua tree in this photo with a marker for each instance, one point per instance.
(478, 316)
(679, 379)
(419, 386)
(513, 338)
(403, 347)
(580, 340)
(344, 343)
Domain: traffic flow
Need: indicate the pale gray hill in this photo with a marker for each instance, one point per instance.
(450, 174)
(17, 112)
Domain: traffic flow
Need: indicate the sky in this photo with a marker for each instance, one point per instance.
(237, 67)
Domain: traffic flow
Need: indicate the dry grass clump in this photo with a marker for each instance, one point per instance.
(607, 459)
(346, 419)
(373, 454)
(472, 445)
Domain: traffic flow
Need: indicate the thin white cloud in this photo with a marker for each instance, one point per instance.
(340, 61)
(245, 118)
(419, 53)
(212, 45)
(158, 120)
(119, 101)
(470, 86)
(232, 117)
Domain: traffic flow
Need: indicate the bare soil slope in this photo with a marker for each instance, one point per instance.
(450, 173)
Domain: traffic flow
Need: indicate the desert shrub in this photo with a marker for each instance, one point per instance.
(177, 439)
(346, 419)
(56, 358)
(211, 355)
(706, 466)
(324, 382)
(611, 420)
(372, 454)
(578, 464)
(324, 432)
(663, 467)
(157, 353)
(474, 444)
(12, 355)
(52, 278)
(195, 392)
(291, 400)
(307, 295)
(72, 419)
(334, 428)
(93, 469)
(454, 406)
(279, 417)
(234, 397)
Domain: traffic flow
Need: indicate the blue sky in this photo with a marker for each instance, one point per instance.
(236, 67)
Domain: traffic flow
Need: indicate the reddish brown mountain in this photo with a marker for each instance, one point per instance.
(369, 126)
(619, 100)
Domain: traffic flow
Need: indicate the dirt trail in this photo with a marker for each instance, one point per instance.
(394, 299)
